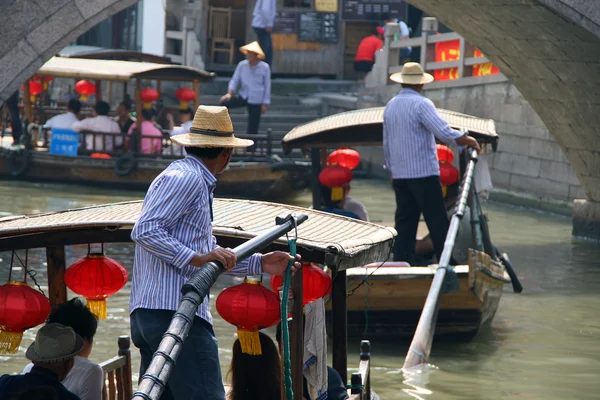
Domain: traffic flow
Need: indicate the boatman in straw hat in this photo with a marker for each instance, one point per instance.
(252, 82)
(174, 238)
(411, 124)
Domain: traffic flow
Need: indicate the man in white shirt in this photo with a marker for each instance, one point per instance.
(86, 377)
(100, 123)
(263, 22)
(66, 120)
(185, 117)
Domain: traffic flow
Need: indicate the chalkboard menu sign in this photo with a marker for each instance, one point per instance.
(371, 10)
(285, 22)
(317, 27)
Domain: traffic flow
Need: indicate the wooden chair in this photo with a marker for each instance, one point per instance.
(117, 373)
(219, 32)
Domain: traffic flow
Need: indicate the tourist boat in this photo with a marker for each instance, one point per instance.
(392, 301)
(257, 174)
(340, 243)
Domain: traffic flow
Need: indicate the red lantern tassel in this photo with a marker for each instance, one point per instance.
(83, 97)
(147, 106)
(10, 341)
(183, 105)
(337, 194)
(97, 307)
(444, 190)
(250, 342)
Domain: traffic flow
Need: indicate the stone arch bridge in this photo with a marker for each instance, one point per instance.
(549, 49)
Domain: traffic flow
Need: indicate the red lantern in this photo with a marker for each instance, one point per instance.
(148, 95)
(21, 308)
(185, 95)
(344, 158)
(448, 176)
(251, 307)
(444, 154)
(85, 89)
(96, 277)
(335, 177)
(316, 283)
(35, 88)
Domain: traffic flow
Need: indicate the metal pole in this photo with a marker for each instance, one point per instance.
(420, 347)
(195, 289)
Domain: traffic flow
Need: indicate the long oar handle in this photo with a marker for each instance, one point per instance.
(194, 291)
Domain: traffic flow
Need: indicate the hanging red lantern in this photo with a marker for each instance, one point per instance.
(344, 158)
(185, 95)
(96, 277)
(21, 308)
(251, 307)
(316, 283)
(448, 176)
(35, 88)
(335, 177)
(85, 89)
(444, 154)
(148, 95)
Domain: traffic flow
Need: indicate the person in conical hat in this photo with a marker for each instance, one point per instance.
(411, 125)
(174, 238)
(250, 86)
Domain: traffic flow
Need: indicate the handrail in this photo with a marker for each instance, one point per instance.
(360, 382)
(195, 289)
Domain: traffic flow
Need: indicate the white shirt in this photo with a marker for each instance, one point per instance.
(62, 121)
(99, 123)
(357, 208)
(84, 380)
(264, 14)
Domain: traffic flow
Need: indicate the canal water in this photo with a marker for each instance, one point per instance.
(543, 343)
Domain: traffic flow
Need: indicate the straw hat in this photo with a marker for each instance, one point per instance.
(253, 47)
(211, 127)
(54, 343)
(412, 74)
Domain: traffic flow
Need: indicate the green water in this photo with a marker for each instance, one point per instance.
(543, 343)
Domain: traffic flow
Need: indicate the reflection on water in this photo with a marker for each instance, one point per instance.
(543, 343)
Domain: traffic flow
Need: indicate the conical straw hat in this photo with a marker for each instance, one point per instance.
(254, 47)
(412, 74)
(211, 127)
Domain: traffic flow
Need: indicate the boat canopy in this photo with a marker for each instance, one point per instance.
(326, 238)
(66, 67)
(101, 53)
(364, 127)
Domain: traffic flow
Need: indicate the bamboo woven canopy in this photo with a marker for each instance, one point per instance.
(364, 127)
(67, 67)
(327, 238)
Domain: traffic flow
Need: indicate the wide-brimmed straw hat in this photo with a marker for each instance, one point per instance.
(54, 343)
(211, 127)
(412, 74)
(253, 47)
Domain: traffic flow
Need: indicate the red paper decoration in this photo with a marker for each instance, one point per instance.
(444, 154)
(335, 177)
(148, 95)
(21, 308)
(96, 277)
(448, 174)
(185, 95)
(251, 307)
(344, 158)
(35, 88)
(316, 283)
(85, 89)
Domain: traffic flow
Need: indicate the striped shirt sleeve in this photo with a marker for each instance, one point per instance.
(168, 199)
(431, 120)
(250, 266)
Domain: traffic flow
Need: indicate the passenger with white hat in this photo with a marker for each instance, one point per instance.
(250, 86)
(52, 353)
(174, 238)
(411, 124)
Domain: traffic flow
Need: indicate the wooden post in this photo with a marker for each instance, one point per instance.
(339, 321)
(315, 157)
(158, 82)
(461, 55)
(138, 116)
(323, 157)
(57, 289)
(365, 355)
(124, 344)
(197, 91)
(297, 336)
(124, 90)
(110, 94)
(98, 84)
(27, 102)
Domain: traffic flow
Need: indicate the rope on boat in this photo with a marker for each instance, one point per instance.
(285, 334)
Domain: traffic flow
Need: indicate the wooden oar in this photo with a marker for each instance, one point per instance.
(420, 347)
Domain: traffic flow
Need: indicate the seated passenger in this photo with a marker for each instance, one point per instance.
(101, 123)
(66, 120)
(52, 354)
(124, 118)
(151, 142)
(255, 377)
(86, 378)
(185, 116)
(354, 209)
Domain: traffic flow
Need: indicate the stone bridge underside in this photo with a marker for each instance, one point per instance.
(550, 50)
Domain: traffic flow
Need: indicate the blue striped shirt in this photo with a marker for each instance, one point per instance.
(174, 225)
(252, 83)
(410, 125)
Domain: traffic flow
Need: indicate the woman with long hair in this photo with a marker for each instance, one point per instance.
(255, 377)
